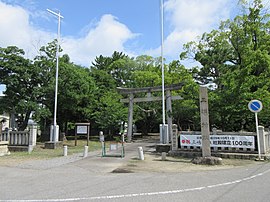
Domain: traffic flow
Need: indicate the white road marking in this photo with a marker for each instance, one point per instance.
(142, 194)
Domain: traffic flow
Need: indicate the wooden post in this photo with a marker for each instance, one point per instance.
(75, 138)
(206, 150)
(88, 134)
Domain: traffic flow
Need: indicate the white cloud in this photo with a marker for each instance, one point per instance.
(107, 36)
(189, 19)
(16, 30)
(198, 14)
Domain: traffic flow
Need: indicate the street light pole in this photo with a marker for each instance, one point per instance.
(55, 129)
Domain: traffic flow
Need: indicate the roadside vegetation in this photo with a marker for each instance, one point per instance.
(40, 153)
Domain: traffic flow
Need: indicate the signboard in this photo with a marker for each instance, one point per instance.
(81, 129)
(255, 106)
(113, 147)
(219, 141)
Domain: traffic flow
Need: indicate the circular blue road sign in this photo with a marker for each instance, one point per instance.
(255, 106)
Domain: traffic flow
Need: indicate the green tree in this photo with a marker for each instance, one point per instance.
(235, 59)
(185, 111)
(108, 74)
(119, 66)
(23, 82)
(109, 112)
(75, 90)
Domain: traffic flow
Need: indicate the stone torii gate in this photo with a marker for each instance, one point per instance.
(149, 98)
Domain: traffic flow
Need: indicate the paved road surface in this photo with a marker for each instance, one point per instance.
(90, 179)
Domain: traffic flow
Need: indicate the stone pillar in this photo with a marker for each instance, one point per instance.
(262, 140)
(205, 129)
(32, 135)
(169, 113)
(1, 131)
(174, 137)
(1, 127)
(130, 118)
(4, 148)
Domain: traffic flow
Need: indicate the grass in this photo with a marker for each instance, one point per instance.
(39, 152)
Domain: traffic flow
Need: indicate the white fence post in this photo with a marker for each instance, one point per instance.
(267, 140)
(85, 152)
(262, 139)
(141, 155)
(65, 151)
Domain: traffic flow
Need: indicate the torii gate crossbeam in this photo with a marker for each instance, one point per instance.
(149, 98)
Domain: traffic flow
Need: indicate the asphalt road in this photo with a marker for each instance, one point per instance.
(91, 179)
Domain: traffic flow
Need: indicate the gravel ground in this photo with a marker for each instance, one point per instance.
(154, 163)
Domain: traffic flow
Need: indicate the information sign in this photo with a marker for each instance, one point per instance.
(82, 130)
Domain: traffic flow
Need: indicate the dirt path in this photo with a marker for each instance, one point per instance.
(153, 163)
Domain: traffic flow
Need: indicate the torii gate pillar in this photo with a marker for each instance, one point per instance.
(130, 117)
(169, 113)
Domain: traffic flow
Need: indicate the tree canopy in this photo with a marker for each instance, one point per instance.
(235, 60)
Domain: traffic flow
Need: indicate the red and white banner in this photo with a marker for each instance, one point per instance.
(219, 141)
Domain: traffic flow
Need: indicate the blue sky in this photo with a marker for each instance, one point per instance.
(98, 27)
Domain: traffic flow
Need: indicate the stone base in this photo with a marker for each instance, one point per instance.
(53, 145)
(4, 148)
(225, 155)
(18, 148)
(207, 160)
(163, 148)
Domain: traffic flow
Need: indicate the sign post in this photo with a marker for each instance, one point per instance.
(82, 129)
(256, 106)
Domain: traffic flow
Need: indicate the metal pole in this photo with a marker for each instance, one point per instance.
(162, 70)
(55, 130)
(258, 136)
(56, 74)
(162, 64)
